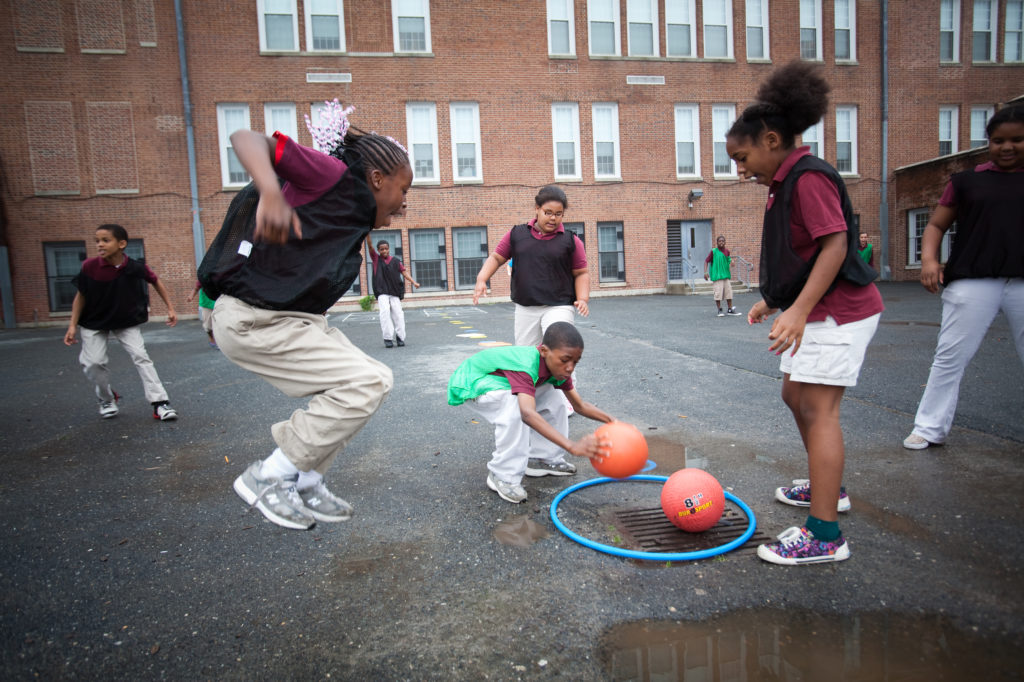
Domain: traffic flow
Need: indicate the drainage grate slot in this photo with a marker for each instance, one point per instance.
(649, 530)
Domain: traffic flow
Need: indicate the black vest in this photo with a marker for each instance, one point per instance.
(120, 303)
(305, 275)
(783, 273)
(542, 268)
(387, 278)
(989, 239)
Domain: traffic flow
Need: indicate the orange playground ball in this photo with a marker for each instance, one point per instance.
(693, 500)
(628, 450)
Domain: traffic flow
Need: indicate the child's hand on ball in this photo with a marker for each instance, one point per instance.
(592, 446)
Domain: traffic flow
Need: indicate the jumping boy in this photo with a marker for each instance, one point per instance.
(514, 388)
(721, 275)
(389, 289)
(111, 299)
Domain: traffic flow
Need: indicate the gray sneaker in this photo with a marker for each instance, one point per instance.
(276, 499)
(506, 491)
(540, 467)
(325, 505)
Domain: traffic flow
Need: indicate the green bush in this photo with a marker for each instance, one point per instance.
(366, 302)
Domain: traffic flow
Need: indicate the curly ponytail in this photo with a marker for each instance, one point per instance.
(791, 100)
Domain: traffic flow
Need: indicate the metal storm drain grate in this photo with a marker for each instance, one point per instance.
(649, 530)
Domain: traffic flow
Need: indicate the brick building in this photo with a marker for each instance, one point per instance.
(622, 102)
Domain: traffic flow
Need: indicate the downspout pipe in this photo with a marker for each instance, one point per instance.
(883, 206)
(198, 236)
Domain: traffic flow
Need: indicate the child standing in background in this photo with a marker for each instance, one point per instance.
(389, 288)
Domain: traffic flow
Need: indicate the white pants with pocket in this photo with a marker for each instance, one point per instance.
(968, 308)
(392, 317)
(532, 320)
(514, 441)
(94, 361)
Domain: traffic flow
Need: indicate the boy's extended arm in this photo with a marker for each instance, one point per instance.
(581, 285)
(586, 409)
(588, 446)
(405, 273)
(76, 313)
(487, 271)
(275, 219)
(172, 318)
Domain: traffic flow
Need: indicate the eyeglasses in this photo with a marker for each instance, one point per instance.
(553, 214)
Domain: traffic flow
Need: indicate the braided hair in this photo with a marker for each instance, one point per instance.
(377, 152)
(794, 98)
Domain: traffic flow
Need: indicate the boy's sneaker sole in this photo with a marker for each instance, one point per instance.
(254, 499)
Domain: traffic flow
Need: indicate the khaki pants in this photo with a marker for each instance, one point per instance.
(94, 361)
(301, 355)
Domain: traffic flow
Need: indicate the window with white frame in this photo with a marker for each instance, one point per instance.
(410, 24)
(1013, 38)
(470, 254)
(565, 136)
(428, 263)
(687, 141)
(680, 28)
(846, 30)
(947, 130)
(421, 122)
(561, 30)
(722, 117)
(465, 122)
(603, 27)
(917, 221)
(846, 139)
(325, 25)
(231, 117)
(611, 253)
(280, 117)
(278, 25)
(606, 140)
(757, 29)
(814, 137)
(979, 119)
(642, 21)
(983, 37)
(949, 31)
(63, 263)
(810, 29)
(717, 28)
(315, 110)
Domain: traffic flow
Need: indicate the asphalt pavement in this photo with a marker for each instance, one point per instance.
(126, 553)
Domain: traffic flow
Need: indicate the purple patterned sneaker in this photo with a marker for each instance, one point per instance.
(800, 495)
(797, 546)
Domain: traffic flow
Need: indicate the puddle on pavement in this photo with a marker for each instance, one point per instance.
(786, 646)
(520, 531)
(670, 456)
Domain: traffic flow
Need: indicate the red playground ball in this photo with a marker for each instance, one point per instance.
(693, 500)
(628, 451)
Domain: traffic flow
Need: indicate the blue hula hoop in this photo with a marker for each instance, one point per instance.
(653, 556)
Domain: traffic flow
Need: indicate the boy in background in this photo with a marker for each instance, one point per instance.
(721, 275)
(111, 299)
(389, 289)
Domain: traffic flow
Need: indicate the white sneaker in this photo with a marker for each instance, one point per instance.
(108, 408)
(720, 313)
(915, 442)
(164, 412)
(509, 492)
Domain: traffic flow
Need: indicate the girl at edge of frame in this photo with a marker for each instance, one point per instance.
(828, 320)
(984, 273)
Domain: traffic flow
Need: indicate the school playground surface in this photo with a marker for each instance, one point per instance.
(125, 552)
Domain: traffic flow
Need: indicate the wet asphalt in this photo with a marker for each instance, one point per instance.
(126, 553)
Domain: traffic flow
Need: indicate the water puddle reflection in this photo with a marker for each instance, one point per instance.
(520, 531)
(768, 644)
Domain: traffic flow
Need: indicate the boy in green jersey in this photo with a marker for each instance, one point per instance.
(717, 266)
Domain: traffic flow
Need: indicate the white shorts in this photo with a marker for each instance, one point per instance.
(830, 353)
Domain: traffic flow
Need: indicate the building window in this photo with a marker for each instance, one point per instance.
(687, 141)
(577, 229)
(231, 117)
(757, 29)
(814, 137)
(279, 31)
(428, 259)
(603, 27)
(280, 117)
(680, 31)
(979, 119)
(325, 25)
(52, 151)
(421, 122)
(642, 18)
(917, 220)
(949, 31)
(63, 262)
(983, 38)
(722, 116)
(810, 29)
(1013, 38)
(846, 139)
(465, 122)
(561, 30)
(717, 28)
(470, 253)
(846, 30)
(947, 130)
(112, 155)
(606, 140)
(565, 134)
(410, 23)
(610, 253)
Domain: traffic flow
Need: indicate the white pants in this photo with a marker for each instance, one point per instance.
(94, 361)
(514, 441)
(392, 317)
(532, 320)
(968, 308)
